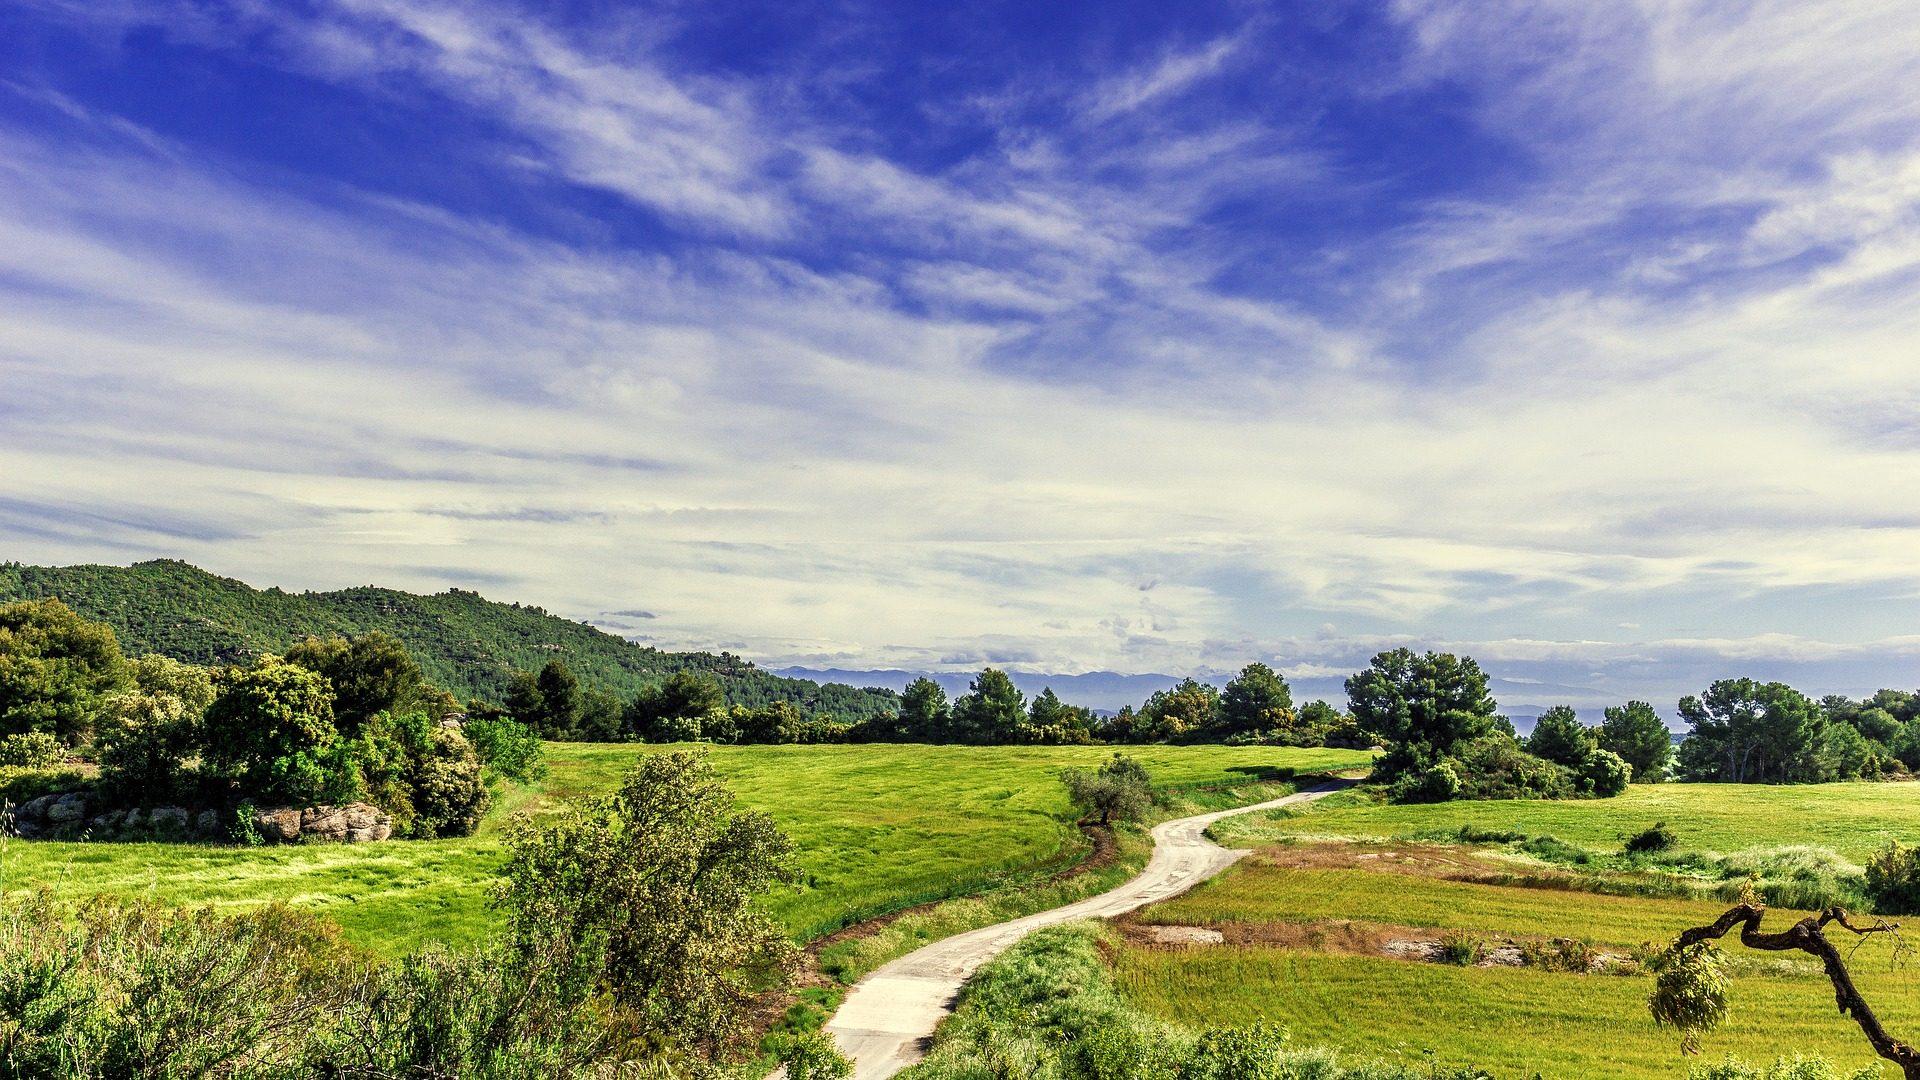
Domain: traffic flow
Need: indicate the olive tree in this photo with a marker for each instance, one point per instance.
(1690, 990)
(647, 898)
(1120, 789)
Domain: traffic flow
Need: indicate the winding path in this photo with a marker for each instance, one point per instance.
(889, 1016)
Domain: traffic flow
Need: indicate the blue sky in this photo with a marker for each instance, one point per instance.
(1145, 337)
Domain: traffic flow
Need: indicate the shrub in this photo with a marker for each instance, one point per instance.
(1461, 948)
(448, 795)
(507, 747)
(1794, 1068)
(31, 750)
(812, 1055)
(1495, 767)
(1893, 879)
(1605, 774)
(1654, 839)
(1434, 784)
(19, 785)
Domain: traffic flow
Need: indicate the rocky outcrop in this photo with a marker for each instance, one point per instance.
(64, 817)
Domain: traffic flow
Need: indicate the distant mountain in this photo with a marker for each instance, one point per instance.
(463, 641)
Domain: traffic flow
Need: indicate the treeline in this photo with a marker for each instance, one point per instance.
(462, 641)
(332, 721)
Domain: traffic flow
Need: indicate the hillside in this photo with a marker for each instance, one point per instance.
(464, 641)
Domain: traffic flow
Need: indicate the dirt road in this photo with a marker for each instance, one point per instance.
(888, 1016)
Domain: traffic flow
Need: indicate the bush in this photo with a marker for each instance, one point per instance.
(1434, 784)
(1656, 838)
(1605, 774)
(19, 785)
(1461, 948)
(31, 750)
(1495, 767)
(506, 746)
(1119, 790)
(448, 795)
(1794, 1068)
(1893, 880)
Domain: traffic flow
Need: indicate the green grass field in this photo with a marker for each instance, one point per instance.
(1514, 1021)
(878, 827)
(1853, 819)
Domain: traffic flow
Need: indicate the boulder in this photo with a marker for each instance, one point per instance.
(135, 818)
(208, 823)
(36, 809)
(353, 823)
(278, 823)
(110, 821)
(69, 807)
(168, 820)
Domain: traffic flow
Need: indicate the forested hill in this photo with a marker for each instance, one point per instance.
(465, 642)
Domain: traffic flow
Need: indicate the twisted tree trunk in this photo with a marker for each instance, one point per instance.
(1808, 936)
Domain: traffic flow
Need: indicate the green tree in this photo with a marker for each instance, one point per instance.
(1424, 705)
(271, 727)
(1560, 737)
(1179, 712)
(1636, 733)
(559, 700)
(370, 673)
(1119, 790)
(55, 669)
(1745, 731)
(1054, 722)
(677, 710)
(1257, 700)
(991, 711)
(923, 712)
(145, 734)
(651, 897)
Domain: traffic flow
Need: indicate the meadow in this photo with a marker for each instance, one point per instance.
(1852, 819)
(1309, 911)
(878, 827)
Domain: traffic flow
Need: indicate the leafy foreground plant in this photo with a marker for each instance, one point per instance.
(631, 949)
(1047, 1010)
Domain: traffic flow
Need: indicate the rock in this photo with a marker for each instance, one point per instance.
(109, 821)
(69, 807)
(353, 823)
(168, 819)
(279, 823)
(323, 823)
(208, 823)
(37, 808)
(135, 818)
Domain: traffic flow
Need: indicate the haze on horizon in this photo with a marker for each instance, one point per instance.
(1121, 336)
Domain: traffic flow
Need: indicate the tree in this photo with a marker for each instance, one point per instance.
(1052, 721)
(144, 734)
(1690, 992)
(1256, 700)
(991, 711)
(1640, 737)
(649, 896)
(1560, 737)
(371, 673)
(1186, 709)
(678, 709)
(270, 728)
(1426, 706)
(55, 669)
(1118, 790)
(559, 699)
(923, 711)
(1749, 732)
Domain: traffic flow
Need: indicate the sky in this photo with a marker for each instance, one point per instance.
(1581, 338)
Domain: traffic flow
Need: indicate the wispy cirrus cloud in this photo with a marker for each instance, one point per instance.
(851, 398)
